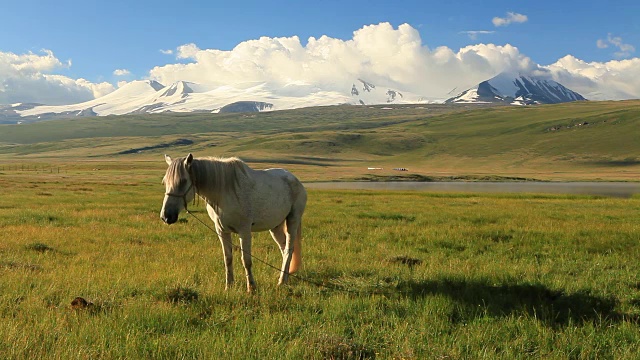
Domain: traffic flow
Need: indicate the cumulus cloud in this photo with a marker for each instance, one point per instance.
(509, 19)
(388, 57)
(187, 51)
(381, 54)
(624, 50)
(121, 72)
(28, 78)
(616, 79)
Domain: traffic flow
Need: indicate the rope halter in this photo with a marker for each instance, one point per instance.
(184, 195)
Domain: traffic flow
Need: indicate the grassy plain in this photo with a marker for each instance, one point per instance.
(406, 275)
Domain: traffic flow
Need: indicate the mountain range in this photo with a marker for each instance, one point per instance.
(149, 97)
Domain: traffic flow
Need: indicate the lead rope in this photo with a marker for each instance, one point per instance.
(298, 277)
(301, 278)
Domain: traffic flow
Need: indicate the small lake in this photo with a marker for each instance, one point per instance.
(614, 189)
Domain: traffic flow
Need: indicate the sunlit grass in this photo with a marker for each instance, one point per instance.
(491, 276)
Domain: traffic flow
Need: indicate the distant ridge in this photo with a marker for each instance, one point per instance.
(245, 106)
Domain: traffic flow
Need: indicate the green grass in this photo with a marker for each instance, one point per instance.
(406, 275)
(403, 274)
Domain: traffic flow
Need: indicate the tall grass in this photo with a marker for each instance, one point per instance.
(406, 275)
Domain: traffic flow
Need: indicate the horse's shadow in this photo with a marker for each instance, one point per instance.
(478, 298)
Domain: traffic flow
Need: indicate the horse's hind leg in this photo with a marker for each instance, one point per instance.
(245, 248)
(292, 225)
(227, 250)
(278, 234)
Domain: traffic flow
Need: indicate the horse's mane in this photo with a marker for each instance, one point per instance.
(219, 175)
(175, 172)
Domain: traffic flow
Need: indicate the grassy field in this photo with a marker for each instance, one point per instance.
(404, 275)
(387, 275)
(573, 141)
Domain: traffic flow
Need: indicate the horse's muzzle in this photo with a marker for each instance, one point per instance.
(169, 218)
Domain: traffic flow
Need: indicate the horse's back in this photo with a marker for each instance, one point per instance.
(276, 194)
(279, 172)
(276, 177)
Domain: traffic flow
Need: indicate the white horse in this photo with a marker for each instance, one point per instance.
(240, 200)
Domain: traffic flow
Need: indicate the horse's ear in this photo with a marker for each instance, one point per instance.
(188, 160)
(167, 158)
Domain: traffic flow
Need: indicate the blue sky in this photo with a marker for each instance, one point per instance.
(100, 37)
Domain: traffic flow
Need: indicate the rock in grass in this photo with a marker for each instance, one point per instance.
(80, 303)
(39, 247)
(182, 294)
(405, 260)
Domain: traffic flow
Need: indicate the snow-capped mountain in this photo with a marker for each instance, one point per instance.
(366, 93)
(148, 97)
(517, 89)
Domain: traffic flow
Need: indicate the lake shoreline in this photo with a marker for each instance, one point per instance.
(604, 188)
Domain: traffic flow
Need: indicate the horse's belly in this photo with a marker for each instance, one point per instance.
(271, 203)
(261, 220)
(268, 220)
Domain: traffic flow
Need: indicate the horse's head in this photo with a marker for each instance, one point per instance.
(179, 188)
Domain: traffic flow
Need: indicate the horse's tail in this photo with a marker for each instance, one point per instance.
(296, 259)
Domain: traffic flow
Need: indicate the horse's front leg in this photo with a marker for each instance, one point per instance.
(227, 251)
(245, 248)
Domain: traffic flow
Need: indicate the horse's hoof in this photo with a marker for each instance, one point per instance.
(283, 280)
(251, 288)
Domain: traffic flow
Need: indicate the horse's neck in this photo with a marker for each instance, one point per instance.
(203, 182)
(211, 187)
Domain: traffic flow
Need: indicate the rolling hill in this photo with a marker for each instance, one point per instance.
(579, 140)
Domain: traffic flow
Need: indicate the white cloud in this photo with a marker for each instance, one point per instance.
(389, 57)
(624, 50)
(379, 53)
(509, 19)
(28, 78)
(616, 79)
(187, 51)
(473, 34)
(166, 52)
(121, 72)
